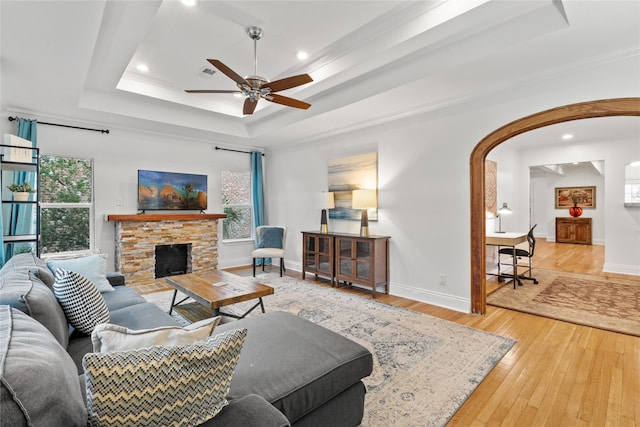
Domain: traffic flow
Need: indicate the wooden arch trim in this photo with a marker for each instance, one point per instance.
(583, 110)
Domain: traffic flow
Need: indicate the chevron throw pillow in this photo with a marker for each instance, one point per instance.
(82, 304)
(162, 386)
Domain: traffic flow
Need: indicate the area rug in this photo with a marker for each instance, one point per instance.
(424, 367)
(599, 302)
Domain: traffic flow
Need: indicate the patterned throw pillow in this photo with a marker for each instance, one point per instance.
(82, 303)
(107, 337)
(162, 386)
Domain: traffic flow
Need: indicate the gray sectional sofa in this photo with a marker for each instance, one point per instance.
(290, 371)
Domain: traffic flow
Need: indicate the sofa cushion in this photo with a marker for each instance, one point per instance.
(249, 411)
(121, 297)
(311, 364)
(107, 337)
(152, 386)
(28, 262)
(93, 267)
(28, 294)
(82, 303)
(39, 383)
(139, 316)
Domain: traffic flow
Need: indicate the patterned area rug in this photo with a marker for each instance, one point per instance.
(424, 367)
(611, 304)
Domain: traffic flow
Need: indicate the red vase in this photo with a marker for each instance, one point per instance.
(575, 211)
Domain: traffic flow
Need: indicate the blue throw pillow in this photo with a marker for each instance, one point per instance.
(271, 238)
(93, 267)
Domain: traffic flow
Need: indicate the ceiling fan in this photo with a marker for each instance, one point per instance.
(255, 87)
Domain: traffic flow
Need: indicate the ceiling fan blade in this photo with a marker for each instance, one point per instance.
(227, 71)
(249, 106)
(289, 102)
(211, 91)
(288, 82)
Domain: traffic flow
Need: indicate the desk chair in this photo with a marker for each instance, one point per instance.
(270, 245)
(519, 253)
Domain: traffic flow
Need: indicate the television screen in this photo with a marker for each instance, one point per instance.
(169, 190)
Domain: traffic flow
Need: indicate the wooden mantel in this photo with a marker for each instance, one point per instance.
(165, 217)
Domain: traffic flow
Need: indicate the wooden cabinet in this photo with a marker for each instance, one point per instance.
(363, 260)
(317, 254)
(347, 257)
(573, 230)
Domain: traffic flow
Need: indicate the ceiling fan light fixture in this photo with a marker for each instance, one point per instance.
(255, 87)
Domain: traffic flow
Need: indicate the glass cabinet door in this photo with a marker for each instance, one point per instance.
(310, 253)
(345, 263)
(323, 255)
(363, 260)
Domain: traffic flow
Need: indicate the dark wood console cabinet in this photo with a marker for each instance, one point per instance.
(573, 230)
(347, 257)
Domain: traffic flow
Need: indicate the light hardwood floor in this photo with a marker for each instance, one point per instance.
(558, 373)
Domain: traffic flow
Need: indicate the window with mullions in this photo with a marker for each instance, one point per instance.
(236, 204)
(66, 195)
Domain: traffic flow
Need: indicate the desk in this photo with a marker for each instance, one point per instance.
(508, 239)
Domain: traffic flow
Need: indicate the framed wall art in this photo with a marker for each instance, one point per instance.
(584, 197)
(359, 172)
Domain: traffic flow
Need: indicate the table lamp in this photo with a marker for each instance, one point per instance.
(329, 203)
(504, 210)
(364, 199)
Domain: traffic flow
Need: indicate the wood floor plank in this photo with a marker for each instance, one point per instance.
(557, 374)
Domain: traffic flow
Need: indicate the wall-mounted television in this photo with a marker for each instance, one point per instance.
(170, 190)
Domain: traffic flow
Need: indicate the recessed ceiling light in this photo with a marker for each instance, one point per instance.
(142, 67)
(567, 136)
(302, 55)
(188, 2)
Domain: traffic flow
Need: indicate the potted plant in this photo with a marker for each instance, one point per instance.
(21, 191)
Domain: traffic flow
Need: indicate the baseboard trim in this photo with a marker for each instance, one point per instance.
(440, 299)
(633, 270)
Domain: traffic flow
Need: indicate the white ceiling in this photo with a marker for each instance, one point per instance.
(371, 61)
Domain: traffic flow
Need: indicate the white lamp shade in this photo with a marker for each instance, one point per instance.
(364, 199)
(330, 202)
(504, 210)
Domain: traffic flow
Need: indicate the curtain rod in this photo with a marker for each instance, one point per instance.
(65, 126)
(235, 151)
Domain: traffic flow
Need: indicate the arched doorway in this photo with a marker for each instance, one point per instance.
(583, 110)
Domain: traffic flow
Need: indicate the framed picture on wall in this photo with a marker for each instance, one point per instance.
(584, 197)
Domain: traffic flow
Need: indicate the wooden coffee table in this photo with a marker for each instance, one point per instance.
(216, 289)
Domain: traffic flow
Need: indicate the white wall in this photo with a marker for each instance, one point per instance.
(614, 225)
(424, 181)
(117, 158)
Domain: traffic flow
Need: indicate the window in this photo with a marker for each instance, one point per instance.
(66, 194)
(236, 203)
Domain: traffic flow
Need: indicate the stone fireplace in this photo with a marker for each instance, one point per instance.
(138, 235)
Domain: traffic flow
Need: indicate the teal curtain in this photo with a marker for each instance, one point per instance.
(257, 194)
(21, 220)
